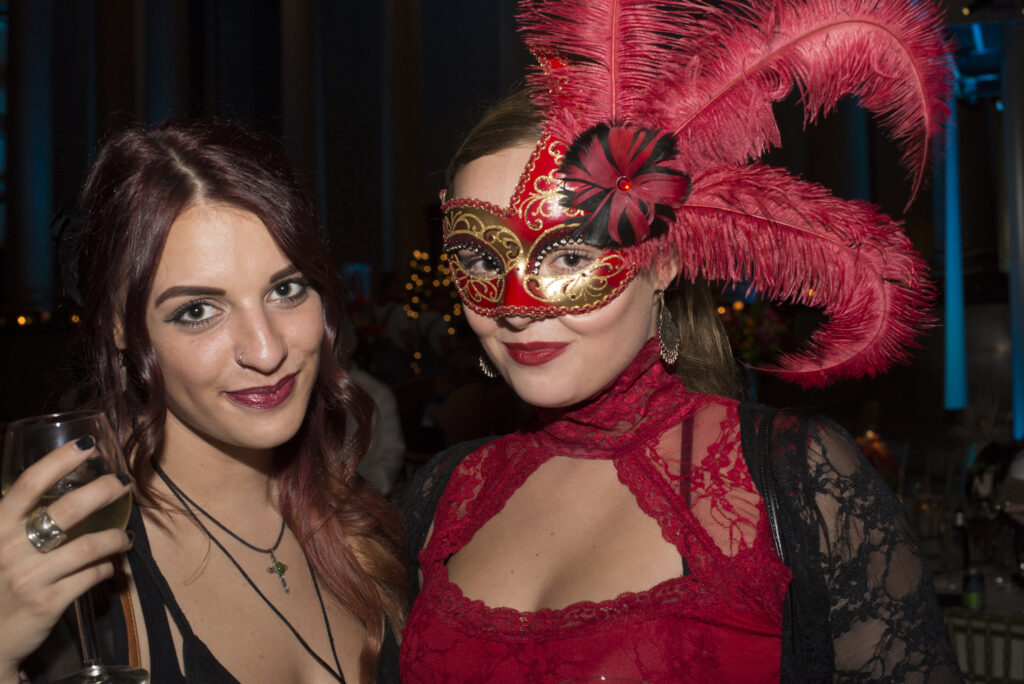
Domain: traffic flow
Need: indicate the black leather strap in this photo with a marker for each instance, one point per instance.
(769, 485)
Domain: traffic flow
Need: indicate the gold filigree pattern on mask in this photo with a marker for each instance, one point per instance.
(542, 203)
(479, 228)
(476, 226)
(581, 289)
(480, 291)
(483, 227)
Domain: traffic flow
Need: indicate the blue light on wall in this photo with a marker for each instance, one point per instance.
(955, 387)
(1013, 143)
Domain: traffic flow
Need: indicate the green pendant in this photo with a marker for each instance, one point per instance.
(278, 568)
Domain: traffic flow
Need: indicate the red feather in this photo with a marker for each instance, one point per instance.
(793, 241)
(709, 71)
(611, 63)
(890, 54)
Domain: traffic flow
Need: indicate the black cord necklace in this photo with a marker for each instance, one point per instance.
(276, 567)
(184, 500)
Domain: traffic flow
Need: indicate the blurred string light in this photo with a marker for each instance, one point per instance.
(430, 287)
(426, 280)
(39, 319)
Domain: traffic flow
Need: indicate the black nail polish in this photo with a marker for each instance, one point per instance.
(85, 443)
(124, 478)
(131, 536)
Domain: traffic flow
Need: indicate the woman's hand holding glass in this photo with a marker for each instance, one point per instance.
(44, 569)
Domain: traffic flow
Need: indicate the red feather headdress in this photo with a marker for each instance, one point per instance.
(667, 106)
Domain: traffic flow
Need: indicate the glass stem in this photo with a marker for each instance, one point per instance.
(86, 620)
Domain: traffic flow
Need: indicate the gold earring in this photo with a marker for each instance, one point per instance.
(668, 332)
(486, 368)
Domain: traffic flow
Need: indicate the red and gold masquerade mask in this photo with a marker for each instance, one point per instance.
(527, 259)
(656, 116)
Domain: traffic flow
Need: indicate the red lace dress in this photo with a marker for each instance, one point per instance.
(720, 620)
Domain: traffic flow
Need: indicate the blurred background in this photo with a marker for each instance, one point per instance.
(370, 100)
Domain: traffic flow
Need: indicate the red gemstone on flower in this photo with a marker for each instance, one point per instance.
(613, 174)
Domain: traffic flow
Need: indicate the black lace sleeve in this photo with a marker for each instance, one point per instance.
(864, 607)
(416, 504)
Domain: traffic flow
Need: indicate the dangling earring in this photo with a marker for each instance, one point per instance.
(486, 368)
(668, 332)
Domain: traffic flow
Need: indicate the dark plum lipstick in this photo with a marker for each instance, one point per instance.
(534, 353)
(264, 397)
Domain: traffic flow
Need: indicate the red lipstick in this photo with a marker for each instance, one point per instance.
(534, 353)
(264, 397)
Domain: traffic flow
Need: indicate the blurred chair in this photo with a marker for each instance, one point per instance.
(933, 517)
(900, 450)
(990, 647)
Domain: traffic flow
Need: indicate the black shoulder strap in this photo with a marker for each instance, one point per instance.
(155, 595)
(769, 485)
(153, 589)
(802, 627)
(756, 445)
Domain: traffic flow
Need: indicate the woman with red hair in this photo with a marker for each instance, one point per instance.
(210, 337)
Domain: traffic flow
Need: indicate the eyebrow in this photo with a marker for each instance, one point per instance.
(188, 291)
(284, 273)
(199, 291)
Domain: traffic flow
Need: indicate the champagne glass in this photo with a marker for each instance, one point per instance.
(28, 441)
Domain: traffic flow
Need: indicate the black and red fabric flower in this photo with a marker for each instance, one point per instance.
(612, 173)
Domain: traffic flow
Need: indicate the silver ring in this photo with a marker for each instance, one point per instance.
(240, 359)
(44, 534)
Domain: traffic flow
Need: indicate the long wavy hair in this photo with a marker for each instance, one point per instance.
(140, 182)
(705, 362)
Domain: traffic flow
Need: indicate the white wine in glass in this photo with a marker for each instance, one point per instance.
(29, 440)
